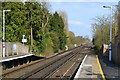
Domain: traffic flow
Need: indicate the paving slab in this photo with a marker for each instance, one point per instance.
(90, 68)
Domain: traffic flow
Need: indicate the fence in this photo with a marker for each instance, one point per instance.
(116, 52)
(14, 48)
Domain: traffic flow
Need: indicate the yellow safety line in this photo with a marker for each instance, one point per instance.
(101, 71)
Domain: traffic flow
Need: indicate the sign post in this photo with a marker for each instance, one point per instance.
(3, 49)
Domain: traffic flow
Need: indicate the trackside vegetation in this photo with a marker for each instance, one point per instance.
(48, 29)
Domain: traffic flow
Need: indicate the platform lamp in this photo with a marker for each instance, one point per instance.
(110, 50)
(3, 42)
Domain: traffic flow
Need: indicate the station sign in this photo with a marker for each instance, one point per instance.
(24, 39)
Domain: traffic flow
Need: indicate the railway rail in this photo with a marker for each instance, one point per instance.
(44, 71)
(69, 69)
(40, 66)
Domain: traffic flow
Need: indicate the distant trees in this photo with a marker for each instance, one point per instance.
(101, 31)
(50, 31)
(79, 40)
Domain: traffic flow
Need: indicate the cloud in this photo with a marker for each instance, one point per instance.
(75, 22)
(78, 23)
(88, 26)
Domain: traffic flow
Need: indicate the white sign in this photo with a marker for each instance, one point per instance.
(105, 47)
(24, 39)
(66, 47)
(75, 45)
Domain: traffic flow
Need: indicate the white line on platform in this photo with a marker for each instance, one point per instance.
(79, 70)
(87, 65)
(3, 60)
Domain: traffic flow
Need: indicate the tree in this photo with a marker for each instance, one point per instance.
(101, 31)
(48, 29)
(64, 16)
(118, 21)
(57, 28)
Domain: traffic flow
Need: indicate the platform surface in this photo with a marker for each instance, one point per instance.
(14, 57)
(90, 68)
(111, 70)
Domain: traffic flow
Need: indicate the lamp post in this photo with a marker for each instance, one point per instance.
(3, 46)
(110, 50)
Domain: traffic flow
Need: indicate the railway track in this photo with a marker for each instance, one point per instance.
(39, 67)
(44, 71)
(69, 69)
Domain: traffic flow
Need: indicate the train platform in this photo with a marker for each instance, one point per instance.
(110, 70)
(4, 59)
(90, 68)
